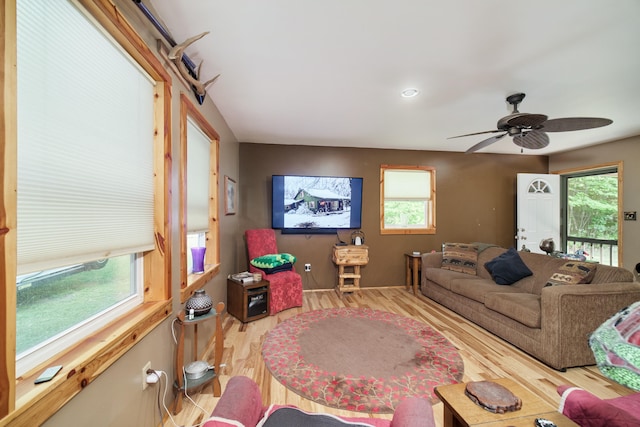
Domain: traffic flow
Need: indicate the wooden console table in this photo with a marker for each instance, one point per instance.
(349, 256)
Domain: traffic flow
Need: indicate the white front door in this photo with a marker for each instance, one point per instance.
(538, 210)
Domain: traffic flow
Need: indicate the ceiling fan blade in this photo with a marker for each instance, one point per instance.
(485, 143)
(522, 120)
(574, 123)
(532, 140)
(476, 133)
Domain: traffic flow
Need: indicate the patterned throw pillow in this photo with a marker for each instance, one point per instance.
(573, 273)
(461, 257)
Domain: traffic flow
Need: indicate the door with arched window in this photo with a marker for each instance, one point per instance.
(538, 210)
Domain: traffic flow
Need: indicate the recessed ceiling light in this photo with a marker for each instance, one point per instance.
(409, 93)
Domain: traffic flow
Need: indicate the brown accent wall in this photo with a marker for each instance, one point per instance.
(475, 201)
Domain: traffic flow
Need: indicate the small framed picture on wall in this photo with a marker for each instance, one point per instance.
(230, 196)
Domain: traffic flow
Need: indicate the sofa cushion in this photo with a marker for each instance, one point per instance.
(444, 277)
(521, 307)
(462, 257)
(289, 416)
(241, 403)
(573, 273)
(486, 256)
(589, 410)
(222, 422)
(543, 266)
(508, 268)
(477, 289)
(611, 274)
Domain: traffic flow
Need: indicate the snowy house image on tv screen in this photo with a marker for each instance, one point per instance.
(312, 202)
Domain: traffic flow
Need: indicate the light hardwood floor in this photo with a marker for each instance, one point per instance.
(485, 356)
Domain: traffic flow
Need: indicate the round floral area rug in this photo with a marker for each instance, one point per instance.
(360, 359)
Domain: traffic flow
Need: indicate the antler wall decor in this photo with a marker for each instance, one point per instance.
(175, 55)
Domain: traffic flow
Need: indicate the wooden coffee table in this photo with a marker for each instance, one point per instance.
(459, 410)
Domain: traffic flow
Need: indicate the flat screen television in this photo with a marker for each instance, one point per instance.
(315, 204)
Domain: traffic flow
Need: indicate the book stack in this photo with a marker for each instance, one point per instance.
(244, 277)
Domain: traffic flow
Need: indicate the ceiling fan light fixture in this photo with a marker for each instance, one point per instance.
(529, 130)
(409, 93)
(532, 140)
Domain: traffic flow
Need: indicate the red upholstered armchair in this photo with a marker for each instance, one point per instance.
(285, 286)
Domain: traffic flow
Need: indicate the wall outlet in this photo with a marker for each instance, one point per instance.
(307, 267)
(145, 368)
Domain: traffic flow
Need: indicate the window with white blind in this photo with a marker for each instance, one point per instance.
(86, 178)
(199, 166)
(407, 200)
(85, 186)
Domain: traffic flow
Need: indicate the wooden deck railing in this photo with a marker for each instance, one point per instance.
(602, 251)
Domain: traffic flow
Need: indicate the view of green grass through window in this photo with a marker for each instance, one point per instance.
(50, 302)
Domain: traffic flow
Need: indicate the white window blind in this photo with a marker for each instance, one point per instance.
(198, 156)
(407, 184)
(85, 146)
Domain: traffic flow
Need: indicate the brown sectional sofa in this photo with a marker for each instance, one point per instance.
(551, 323)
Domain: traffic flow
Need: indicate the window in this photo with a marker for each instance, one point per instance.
(91, 162)
(591, 205)
(407, 200)
(199, 179)
(83, 201)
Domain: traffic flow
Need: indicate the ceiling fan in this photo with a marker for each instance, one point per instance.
(530, 130)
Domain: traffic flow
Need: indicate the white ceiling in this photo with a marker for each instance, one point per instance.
(330, 72)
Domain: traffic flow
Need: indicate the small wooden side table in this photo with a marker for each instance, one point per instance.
(211, 377)
(350, 256)
(413, 265)
(460, 410)
(248, 301)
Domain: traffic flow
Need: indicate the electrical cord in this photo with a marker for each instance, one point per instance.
(184, 375)
(158, 401)
(159, 374)
(173, 331)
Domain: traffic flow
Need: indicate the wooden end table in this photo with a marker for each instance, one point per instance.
(413, 265)
(460, 410)
(211, 377)
(248, 301)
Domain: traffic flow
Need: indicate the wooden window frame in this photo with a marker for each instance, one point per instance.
(190, 282)
(21, 402)
(431, 208)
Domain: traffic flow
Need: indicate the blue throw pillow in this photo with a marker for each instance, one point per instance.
(507, 268)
